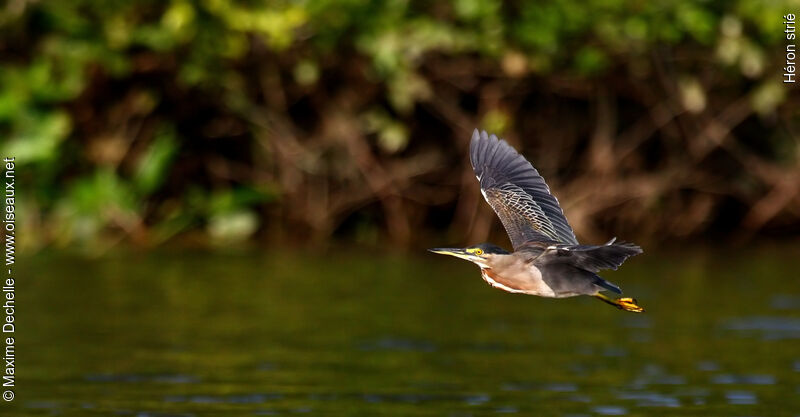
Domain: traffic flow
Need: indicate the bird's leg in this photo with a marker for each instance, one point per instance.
(625, 303)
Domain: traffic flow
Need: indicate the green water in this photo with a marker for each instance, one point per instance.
(194, 334)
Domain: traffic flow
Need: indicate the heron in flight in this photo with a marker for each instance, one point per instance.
(547, 260)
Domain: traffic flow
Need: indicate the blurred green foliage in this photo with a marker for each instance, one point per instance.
(94, 95)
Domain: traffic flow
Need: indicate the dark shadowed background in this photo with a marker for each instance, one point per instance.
(222, 206)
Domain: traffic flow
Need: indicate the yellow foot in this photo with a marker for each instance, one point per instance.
(626, 303)
(629, 304)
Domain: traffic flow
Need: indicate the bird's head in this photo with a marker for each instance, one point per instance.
(479, 254)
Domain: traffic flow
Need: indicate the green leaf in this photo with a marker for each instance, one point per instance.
(153, 166)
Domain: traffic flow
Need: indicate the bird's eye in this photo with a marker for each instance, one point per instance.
(478, 252)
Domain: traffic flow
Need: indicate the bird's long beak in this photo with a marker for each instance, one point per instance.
(457, 252)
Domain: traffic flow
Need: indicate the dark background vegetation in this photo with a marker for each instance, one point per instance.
(218, 121)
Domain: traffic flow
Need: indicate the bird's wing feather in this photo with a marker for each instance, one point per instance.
(517, 193)
(594, 258)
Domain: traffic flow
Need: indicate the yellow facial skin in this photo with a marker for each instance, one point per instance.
(470, 254)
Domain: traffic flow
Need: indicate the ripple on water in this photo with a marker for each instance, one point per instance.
(785, 302)
(610, 410)
(551, 387)
(579, 398)
(224, 399)
(726, 379)
(141, 378)
(477, 399)
(769, 328)
(270, 412)
(707, 366)
(654, 374)
(741, 397)
(560, 387)
(396, 398)
(608, 351)
(46, 405)
(650, 399)
(517, 386)
(407, 398)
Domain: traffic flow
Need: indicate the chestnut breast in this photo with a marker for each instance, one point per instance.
(516, 277)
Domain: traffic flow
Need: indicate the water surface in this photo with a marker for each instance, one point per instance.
(281, 333)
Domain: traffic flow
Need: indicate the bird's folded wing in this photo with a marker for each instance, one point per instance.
(517, 193)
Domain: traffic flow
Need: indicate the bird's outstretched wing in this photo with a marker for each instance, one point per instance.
(517, 193)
